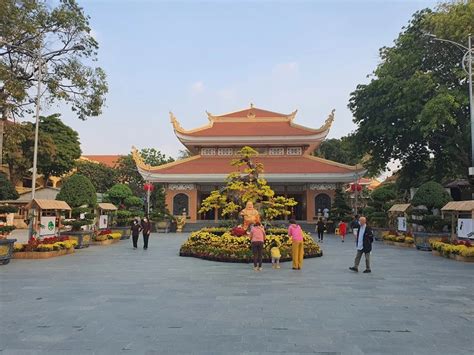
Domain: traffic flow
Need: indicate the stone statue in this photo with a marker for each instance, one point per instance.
(250, 215)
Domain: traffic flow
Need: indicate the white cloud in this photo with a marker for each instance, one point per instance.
(226, 94)
(290, 68)
(197, 87)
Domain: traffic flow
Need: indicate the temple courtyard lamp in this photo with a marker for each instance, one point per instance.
(39, 57)
(467, 66)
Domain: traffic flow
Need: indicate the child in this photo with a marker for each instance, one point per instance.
(342, 230)
(276, 255)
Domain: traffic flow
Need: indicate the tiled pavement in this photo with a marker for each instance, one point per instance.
(114, 300)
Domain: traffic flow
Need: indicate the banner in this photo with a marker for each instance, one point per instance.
(402, 224)
(48, 225)
(103, 221)
(465, 228)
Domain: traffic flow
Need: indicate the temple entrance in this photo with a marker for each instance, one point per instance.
(298, 211)
(322, 202)
(180, 204)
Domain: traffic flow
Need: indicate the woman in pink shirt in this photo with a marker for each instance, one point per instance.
(296, 234)
(257, 238)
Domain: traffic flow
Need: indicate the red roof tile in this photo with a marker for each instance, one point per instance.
(250, 129)
(108, 160)
(272, 165)
(253, 111)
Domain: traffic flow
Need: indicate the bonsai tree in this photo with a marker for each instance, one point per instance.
(79, 193)
(129, 205)
(381, 199)
(244, 185)
(429, 198)
(340, 209)
(7, 191)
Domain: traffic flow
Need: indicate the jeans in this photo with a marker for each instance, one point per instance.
(320, 235)
(257, 251)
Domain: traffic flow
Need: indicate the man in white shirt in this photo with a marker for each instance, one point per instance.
(364, 241)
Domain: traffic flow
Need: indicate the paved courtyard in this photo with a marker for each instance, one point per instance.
(114, 300)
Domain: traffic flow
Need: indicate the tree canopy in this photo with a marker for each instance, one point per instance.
(343, 150)
(61, 36)
(7, 190)
(432, 195)
(415, 108)
(77, 191)
(67, 147)
(19, 147)
(101, 176)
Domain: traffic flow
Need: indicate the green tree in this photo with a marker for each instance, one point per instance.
(432, 195)
(340, 210)
(118, 193)
(343, 150)
(77, 191)
(67, 147)
(380, 201)
(62, 35)
(101, 176)
(19, 147)
(415, 108)
(7, 190)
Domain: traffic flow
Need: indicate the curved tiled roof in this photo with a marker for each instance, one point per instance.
(258, 128)
(302, 164)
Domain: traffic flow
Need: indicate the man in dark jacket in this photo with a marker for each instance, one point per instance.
(364, 240)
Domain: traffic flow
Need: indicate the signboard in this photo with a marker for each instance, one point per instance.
(48, 225)
(465, 227)
(402, 224)
(103, 221)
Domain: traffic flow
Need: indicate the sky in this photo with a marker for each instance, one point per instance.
(191, 56)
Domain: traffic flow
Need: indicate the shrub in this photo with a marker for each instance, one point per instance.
(7, 190)
(432, 195)
(78, 191)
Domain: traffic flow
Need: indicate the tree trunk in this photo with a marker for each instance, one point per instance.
(2, 123)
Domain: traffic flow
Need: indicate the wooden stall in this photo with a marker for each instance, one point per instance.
(462, 218)
(46, 215)
(105, 212)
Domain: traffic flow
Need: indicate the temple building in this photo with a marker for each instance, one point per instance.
(284, 148)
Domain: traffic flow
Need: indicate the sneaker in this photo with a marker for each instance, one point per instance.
(277, 267)
(273, 266)
(294, 268)
(260, 268)
(134, 248)
(353, 269)
(145, 248)
(255, 268)
(368, 271)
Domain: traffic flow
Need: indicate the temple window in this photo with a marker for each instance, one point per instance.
(180, 204)
(276, 151)
(294, 151)
(225, 151)
(208, 151)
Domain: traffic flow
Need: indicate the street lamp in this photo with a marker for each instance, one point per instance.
(38, 57)
(466, 62)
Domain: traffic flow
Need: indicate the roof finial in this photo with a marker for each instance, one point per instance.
(251, 105)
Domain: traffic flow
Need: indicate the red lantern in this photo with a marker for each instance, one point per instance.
(359, 187)
(353, 187)
(148, 187)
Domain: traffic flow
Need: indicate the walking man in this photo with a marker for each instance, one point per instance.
(136, 229)
(364, 241)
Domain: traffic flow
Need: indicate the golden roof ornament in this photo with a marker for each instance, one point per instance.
(139, 160)
(176, 124)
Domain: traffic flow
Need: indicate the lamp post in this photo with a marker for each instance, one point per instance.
(466, 62)
(38, 57)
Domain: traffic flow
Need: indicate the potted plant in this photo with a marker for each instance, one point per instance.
(6, 245)
(80, 194)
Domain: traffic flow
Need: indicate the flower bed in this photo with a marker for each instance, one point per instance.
(228, 248)
(43, 249)
(458, 250)
(405, 241)
(106, 237)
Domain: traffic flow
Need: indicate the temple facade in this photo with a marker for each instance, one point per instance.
(284, 148)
